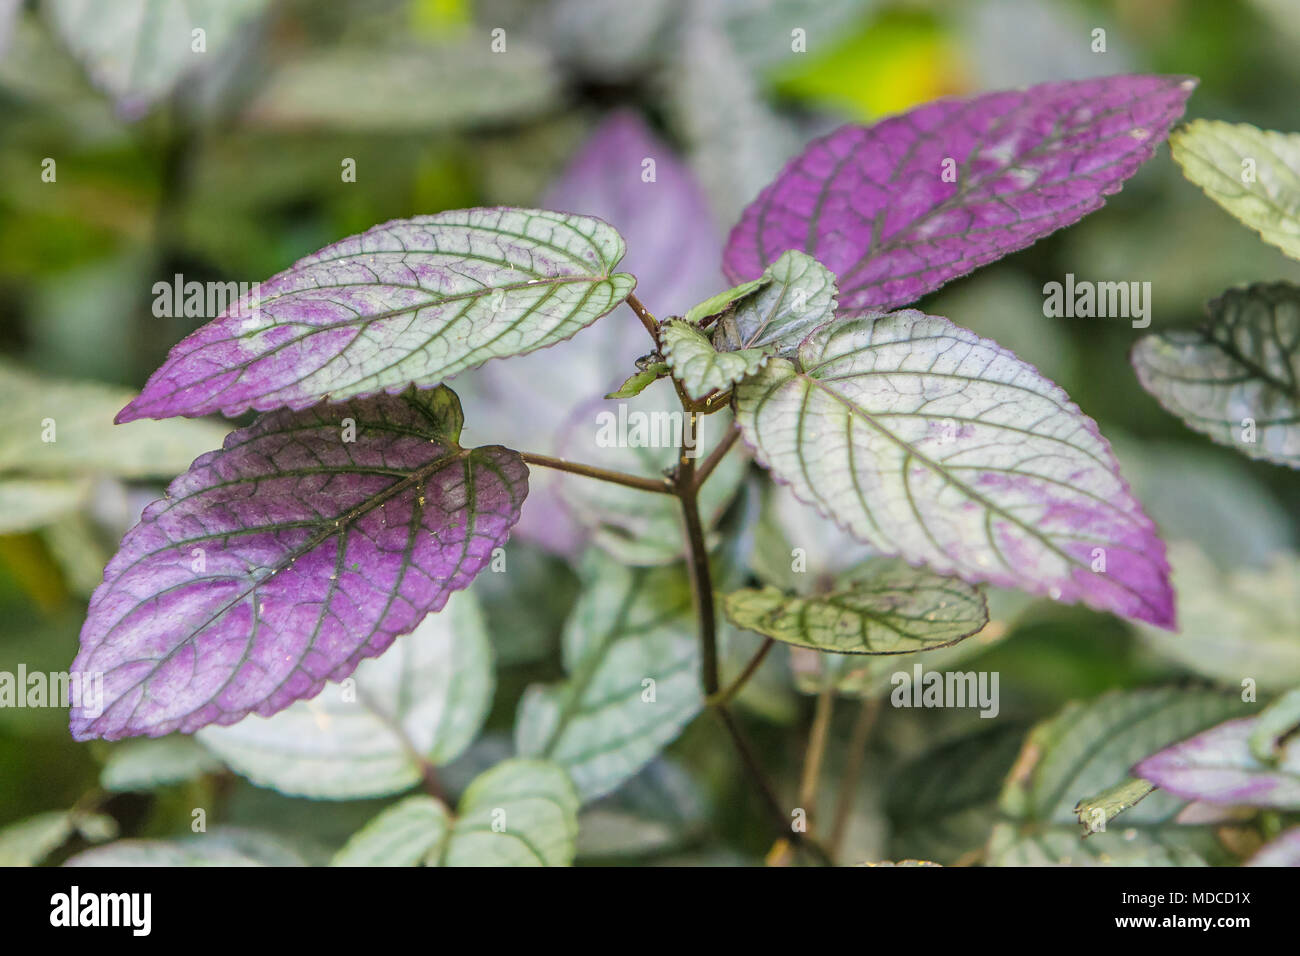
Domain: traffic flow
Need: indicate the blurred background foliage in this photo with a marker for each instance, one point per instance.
(226, 166)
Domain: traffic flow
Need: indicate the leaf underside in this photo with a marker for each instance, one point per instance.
(287, 557)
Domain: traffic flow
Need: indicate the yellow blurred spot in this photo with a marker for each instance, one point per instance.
(897, 61)
(437, 17)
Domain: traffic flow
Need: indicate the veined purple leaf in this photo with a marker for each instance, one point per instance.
(306, 544)
(413, 301)
(928, 442)
(897, 209)
(1217, 766)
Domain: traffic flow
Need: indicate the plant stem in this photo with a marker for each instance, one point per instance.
(861, 733)
(716, 456)
(724, 697)
(660, 485)
(646, 318)
(697, 561)
(812, 763)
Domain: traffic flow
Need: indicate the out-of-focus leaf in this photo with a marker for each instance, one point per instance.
(1238, 378)
(1238, 624)
(1218, 767)
(763, 31)
(1277, 721)
(138, 50)
(462, 82)
(424, 700)
(403, 835)
(526, 599)
(145, 764)
(412, 301)
(658, 811)
(519, 813)
(883, 607)
(873, 204)
(641, 436)
(698, 366)
(1283, 851)
(1252, 173)
(28, 842)
(932, 444)
(1096, 811)
(1086, 748)
(226, 846)
(29, 503)
(633, 661)
(61, 428)
(943, 802)
(607, 39)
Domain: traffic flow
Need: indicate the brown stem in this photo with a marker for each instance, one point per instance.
(725, 696)
(716, 456)
(646, 318)
(861, 733)
(812, 764)
(660, 485)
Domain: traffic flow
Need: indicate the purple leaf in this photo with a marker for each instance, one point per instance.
(413, 301)
(1282, 851)
(674, 250)
(875, 206)
(930, 443)
(1217, 766)
(287, 557)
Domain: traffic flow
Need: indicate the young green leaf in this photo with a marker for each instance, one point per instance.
(799, 296)
(932, 444)
(640, 381)
(413, 301)
(423, 700)
(1096, 811)
(1238, 378)
(1252, 173)
(308, 543)
(698, 366)
(718, 303)
(884, 607)
(633, 661)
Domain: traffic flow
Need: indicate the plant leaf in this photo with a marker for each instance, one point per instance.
(1283, 851)
(367, 88)
(699, 367)
(1238, 378)
(799, 297)
(78, 416)
(519, 813)
(1217, 766)
(1085, 749)
(424, 700)
(630, 625)
(885, 607)
(144, 764)
(137, 50)
(724, 300)
(28, 503)
(1252, 173)
(403, 835)
(1096, 811)
(413, 301)
(930, 443)
(639, 382)
(1236, 623)
(344, 546)
(873, 203)
(227, 846)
